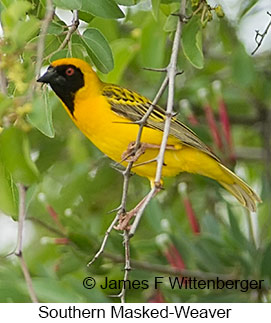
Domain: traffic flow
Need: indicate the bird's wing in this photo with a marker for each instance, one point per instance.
(133, 106)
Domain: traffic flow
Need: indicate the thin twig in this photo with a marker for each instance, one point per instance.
(262, 36)
(3, 79)
(107, 233)
(127, 266)
(162, 70)
(47, 226)
(3, 82)
(22, 215)
(73, 28)
(49, 15)
(169, 270)
(19, 248)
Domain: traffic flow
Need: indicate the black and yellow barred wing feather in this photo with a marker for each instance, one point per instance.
(133, 106)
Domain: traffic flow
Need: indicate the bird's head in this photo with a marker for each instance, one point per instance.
(69, 76)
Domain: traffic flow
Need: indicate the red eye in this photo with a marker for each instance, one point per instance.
(70, 71)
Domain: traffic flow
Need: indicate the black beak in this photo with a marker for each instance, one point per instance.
(48, 76)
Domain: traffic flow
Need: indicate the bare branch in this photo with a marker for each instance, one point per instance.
(106, 236)
(72, 29)
(19, 248)
(259, 37)
(171, 74)
(3, 79)
(127, 266)
(47, 226)
(169, 270)
(163, 70)
(3, 82)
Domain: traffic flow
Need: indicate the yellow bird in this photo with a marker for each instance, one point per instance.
(106, 113)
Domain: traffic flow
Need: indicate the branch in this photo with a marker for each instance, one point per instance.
(262, 36)
(19, 248)
(49, 15)
(249, 153)
(171, 74)
(127, 267)
(72, 29)
(3, 82)
(47, 226)
(3, 79)
(106, 236)
(169, 270)
(169, 79)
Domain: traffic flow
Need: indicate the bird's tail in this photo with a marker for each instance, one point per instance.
(244, 194)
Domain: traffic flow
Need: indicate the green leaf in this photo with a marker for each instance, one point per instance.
(52, 43)
(169, 1)
(8, 201)
(235, 230)
(56, 27)
(68, 4)
(102, 8)
(63, 53)
(243, 71)
(98, 49)
(77, 48)
(5, 3)
(246, 6)
(78, 51)
(155, 8)
(85, 16)
(191, 42)
(153, 41)
(25, 31)
(15, 154)
(50, 290)
(171, 23)
(124, 50)
(127, 2)
(5, 103)
(14, 13)
(41, 115)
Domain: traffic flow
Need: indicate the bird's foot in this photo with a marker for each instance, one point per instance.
(132, 154)
(126, 217)
(124, 220)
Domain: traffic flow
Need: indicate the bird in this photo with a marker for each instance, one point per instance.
(108, 116)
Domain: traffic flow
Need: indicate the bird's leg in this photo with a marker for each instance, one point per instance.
(127, 216)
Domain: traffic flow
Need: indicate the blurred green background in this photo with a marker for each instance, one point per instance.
(72, 186)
